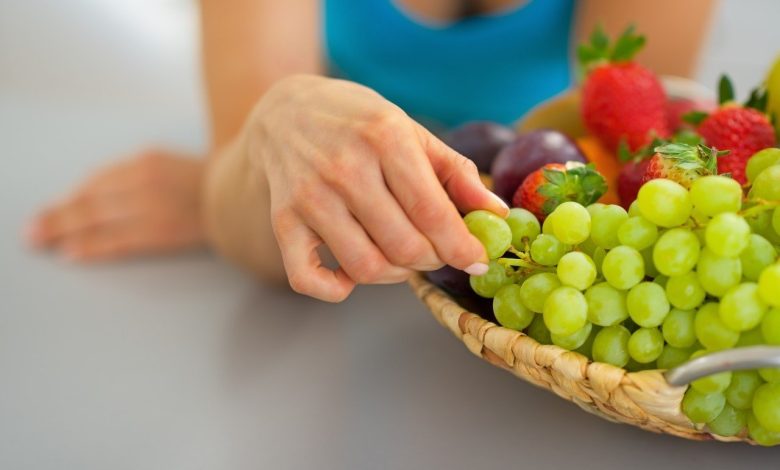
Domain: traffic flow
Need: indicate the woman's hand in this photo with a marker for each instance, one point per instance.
(149, 203)
(347, 168)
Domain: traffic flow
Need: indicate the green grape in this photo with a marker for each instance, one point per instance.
(664, 202)
(604, 225)
(538, 331)
(766, 406)
(547, 225)
(623, 267)
(769, 374)
(509, 310)
(676, 252)
(611, 345)
(650, 269)
(575, 223)
(769, 285)
(630, 325)
(760, 161)
(547, 250)
(661, 280)
(565, 311)
(606, 305)
(770, 326)
(488, 284)
(491, 230)
(712, 195)
(535, 289)
(572, 341)
(758, 254)
(672, 357)
(637, 232)
(635, 366)
(685, 291)
(718, 274)
(587, 247)
(760, 434)
(776, 220)
(714, 383)
(577, 270)
(647, 304)
(594, 208)
(741, 308)
(586, 349)
(762, 225)
(729, 422)
(645, 345)
(598, 258)
(524, 226)
(752, 337)
(711, 332)
(633, 209)
(744, 384)
(767, 184)
(700, 407)
(678, 329)
(727, 234)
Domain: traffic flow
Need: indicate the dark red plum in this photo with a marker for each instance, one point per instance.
(526, 154)
(480, 141)
(454, 281)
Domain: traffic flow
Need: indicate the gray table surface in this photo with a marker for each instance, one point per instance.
(183, 362)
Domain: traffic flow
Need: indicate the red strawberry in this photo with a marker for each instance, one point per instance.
(621, 100)
(676, 108)
(544, 189)
(744, 130)
(630, 180)
(682, 163)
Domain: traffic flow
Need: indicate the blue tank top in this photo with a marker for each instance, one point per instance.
(493, 67)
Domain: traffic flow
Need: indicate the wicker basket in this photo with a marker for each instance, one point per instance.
(643, 399)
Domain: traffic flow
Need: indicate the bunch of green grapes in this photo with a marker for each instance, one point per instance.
(682, 273)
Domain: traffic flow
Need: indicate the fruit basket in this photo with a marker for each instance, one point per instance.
(643, 399)
(687, 231)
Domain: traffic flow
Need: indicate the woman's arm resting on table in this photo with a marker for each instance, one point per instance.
(150, 202)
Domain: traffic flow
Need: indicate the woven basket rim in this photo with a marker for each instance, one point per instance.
(643, 399)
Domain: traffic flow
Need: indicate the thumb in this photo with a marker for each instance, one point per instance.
(460, 178)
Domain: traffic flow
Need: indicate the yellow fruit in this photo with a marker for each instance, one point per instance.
(773, 87)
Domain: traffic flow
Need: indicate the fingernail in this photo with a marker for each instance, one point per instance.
(477, 269)
(499, 200)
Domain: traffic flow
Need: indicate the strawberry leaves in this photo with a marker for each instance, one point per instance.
(582, 184)
(599, 50)
(725, 90)
(698, 159)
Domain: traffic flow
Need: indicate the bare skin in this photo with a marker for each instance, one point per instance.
(298, 160)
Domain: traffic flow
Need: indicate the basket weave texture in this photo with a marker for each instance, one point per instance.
(643, 399)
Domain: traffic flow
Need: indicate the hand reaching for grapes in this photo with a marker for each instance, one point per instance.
(149, 203)
(346, 168)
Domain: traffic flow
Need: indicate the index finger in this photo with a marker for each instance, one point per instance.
(419, 192)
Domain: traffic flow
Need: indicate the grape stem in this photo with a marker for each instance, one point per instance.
(522, 263)
(761, 206)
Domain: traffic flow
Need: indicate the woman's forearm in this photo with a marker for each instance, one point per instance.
(247, 46)
(678, 29)
(236, 210)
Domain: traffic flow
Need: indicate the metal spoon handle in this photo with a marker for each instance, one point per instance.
(753, 357)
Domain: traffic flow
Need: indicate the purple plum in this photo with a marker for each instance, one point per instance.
(526, 154)
(480, 141)
(454, 281)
